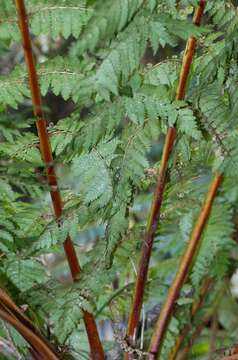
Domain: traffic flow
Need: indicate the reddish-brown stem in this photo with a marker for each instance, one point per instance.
(189, 51)
(8, 304)
(167, 310)
(93, 338)
(134, 317)
(153, 219)
(46, 152)
(34, 340)
(34, 354)
(196, 306)
(45, 147)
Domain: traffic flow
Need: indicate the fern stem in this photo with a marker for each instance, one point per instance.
(167, 310)
(45, 147)
(9, 303)
(10, 307)
(34, 354)
(159, 191)
(148, 242)
(204, 321)
(46, 152)
(196, 306)
(189, 52)
(185, 353)
(93, 337)
(34, 340)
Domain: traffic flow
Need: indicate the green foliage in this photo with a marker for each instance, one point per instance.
(24, 274)
(13, 89)
(62, 305)
(108, 19)
(92, 172)
(213, 257)
(108, 73)
(52, 18)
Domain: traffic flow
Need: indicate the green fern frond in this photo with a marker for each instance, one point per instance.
(13, 88)
(216, 242)
(51, 17)
(25, 274)
(109, 19)
(93, 172)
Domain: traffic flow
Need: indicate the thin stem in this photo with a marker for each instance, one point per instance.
(35, 354)
(167, 310)
(113, 296)
(189, 52)
(185, 353)
(9, 306)
(196, 306)
(159, 191)
(45, 146)
(29, 336)
(9, 303)
(214, 330)
(206, 318)
(46, 152)
(141, 278)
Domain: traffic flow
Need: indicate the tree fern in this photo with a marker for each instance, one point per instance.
(108, 73)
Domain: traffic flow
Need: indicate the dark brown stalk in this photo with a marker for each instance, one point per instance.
(158, 195)
(46, 152)
(196, 306)
(34, 340)
(167, 310)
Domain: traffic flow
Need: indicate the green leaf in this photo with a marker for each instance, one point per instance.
(93, 174)
(25, 274)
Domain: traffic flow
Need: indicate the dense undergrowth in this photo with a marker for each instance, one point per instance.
(108, 74)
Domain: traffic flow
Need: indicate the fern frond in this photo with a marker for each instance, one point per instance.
(93, 172)
(25, 273)
(216, 242)
(108, 19)
(13, 89)
(61, 76)
(51, 17)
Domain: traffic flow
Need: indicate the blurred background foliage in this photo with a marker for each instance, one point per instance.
(108, 73)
